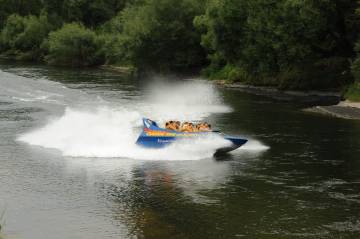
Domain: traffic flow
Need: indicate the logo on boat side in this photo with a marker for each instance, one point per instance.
(165, 141)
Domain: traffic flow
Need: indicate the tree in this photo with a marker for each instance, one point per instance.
(14, 26)
(276, 40)
(23, 36)
(20, 7)
(159, 34)
(74, 45)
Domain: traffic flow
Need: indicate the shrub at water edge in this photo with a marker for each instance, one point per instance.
(74, 45)
(22, 37)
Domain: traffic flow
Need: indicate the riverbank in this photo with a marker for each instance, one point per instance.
(324, 102)
(307, 97)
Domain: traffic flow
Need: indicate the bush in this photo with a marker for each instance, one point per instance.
(159, 34)
(292, 78)
(327, 73)
(36, 29)
(116, 50)
(238, 74)
(282, 39)
(355, 69)
(22, 36)
(14, 26)
(116, 45)
(353, 92)
(229, 73)
(355, 66)
(74, 45)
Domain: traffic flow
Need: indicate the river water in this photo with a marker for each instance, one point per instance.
(69, 167)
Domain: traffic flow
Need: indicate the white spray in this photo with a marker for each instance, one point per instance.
(111, 131)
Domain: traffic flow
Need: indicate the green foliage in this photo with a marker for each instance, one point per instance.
(328, 73)
(20, 7)
(230, 73)
(291, 44)
(281, 39)
(159, 34)
(353, 92)
(100, 11)
(35, 31)
(114, 42)
(115, 49)
(23, 36)
(355, 67)
(89, 12)
(74, 45)
(13, 27)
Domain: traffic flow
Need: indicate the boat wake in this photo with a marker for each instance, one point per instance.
(109, 133)
(110, 130)
(254, 145)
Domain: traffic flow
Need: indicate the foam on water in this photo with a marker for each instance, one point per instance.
(109, 130)
(39, 91)
(254, 145)
(109, 133)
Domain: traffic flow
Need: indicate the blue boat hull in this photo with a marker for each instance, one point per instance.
(155, 137)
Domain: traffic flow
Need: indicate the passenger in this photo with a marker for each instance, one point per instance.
(197, 127)
(204, 127)
(167, 125)
(183, 127)
(172, 125)
(208, 126)
(187, 127)
(191, 127)
(177, 125)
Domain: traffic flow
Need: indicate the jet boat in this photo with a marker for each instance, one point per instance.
(153, 136)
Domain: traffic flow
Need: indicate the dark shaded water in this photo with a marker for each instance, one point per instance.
(298, 178)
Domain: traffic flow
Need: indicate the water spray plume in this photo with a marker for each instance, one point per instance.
(111, 131)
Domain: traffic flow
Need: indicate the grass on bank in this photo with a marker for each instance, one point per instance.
(353, 92)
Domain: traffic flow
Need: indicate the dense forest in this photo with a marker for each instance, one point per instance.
(290, 44)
